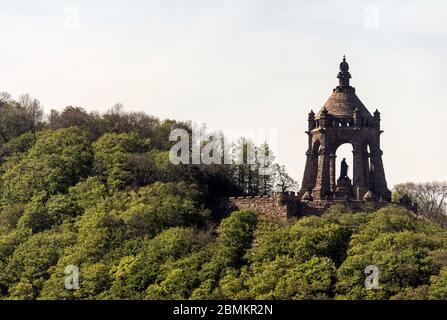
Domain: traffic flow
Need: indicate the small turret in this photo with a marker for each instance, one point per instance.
(323, 117)
(311, 120)
(377, 119)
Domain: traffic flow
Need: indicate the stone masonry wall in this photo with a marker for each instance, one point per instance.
(287, 205)
(282, 205)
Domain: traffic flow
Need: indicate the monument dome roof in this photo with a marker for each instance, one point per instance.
(342, 105)
(343, 100)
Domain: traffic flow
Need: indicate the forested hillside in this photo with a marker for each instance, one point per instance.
(98, 192)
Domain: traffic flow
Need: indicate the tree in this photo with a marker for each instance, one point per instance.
(263, 278)
(132, 276)
(283, 182)
(88, 193)
(116, 120)
(19, 117)
(18, 146)
(142, 170)
(236, 235)
(430, 197)
(33, 110)
(30, 264)
(58, 160)
(159, 206)
(399, 245)
(266, 167)
(438, 288)
(253, 169)
(76, 117)
(5, 97)
(312, 279)
(111, 152)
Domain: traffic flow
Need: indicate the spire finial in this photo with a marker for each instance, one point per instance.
(344, 76)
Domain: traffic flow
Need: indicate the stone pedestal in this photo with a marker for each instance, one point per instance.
(344, 189)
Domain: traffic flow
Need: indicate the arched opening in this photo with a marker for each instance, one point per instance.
(344, 151)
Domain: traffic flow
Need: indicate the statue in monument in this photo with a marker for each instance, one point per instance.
(344, 169)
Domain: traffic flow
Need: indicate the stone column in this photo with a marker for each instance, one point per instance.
(332, 172)
(322, 187)
(309, 177)
(380, 184)
(360, 187)
(310, 171)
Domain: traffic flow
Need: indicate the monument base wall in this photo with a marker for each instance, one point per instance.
(288, 205)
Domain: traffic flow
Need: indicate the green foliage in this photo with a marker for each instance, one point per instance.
(401, 247)
(154, 244)
(30, 265)
(9, 217)
(313, 279)
(17, 146)
(35, 216)
(197, 276)
(57, 161)
(88, 193)
(111, 153)
(154, 208)
(139, 227)
(262, 279)
(134, 274)
(418, 293)
(438, 288)
(19, 117)
(236, 235)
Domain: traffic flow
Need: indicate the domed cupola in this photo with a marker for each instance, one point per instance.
(344, 101)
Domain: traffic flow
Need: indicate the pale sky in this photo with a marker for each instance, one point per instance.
(258, 64)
